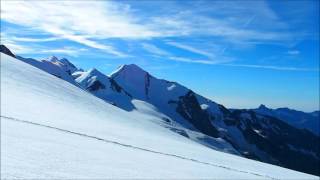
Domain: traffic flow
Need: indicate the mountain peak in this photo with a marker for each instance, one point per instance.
(134, 79)
(56, 59)
(262, 106)
(94, 71)
(132, 66)
(52, 59)
(128, 69)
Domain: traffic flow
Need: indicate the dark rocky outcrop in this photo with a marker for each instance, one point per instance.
(115, 86)
(95, 85)
(280, 143)
(6, 51)
(189, 108)
(147, 84)
(284, 144)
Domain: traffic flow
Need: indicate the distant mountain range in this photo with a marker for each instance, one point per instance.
(284, 137)
(302, 120)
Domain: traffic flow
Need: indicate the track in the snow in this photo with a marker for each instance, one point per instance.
(134, 147)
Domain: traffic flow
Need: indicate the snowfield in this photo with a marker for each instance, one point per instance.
(52, 129)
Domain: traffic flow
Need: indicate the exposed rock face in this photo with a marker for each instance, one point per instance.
(115, 86)
(282, 144)
(95, 86)
(147, 84)
(268, 139)
(189, 108)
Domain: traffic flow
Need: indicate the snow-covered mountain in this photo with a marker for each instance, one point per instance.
(171, 108)
(103, 87)
(61, 68)
(253, 135)
(108, 89)
(298, 119)
(170, 98)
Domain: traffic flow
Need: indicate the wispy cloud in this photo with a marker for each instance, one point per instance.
(107, 19)
(85, 41)
(208, 62)
(210, 58)
(70, 20)
(293, 52)
(124, 20)
(224, 22)
(17, 48)
(249, 21)
(280, 68)
(191, 49)
(14, 43)
(27, 39)
(154, 49)
(13, 37)
(197, 61)
(96, 24)
(110, 19)
(71, 51)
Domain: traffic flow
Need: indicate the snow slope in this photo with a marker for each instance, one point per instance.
(53, 129)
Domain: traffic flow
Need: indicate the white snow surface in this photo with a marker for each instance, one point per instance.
(53, 129)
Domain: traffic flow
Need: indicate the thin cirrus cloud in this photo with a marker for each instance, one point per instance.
(27, 39)
(154, 49)
(191, 49)
(12, 43)
(70, 20)
(211, 58)
(83, 40)
(232, 21)
(188, 60)
(16, 47)
(22, 49)
(280, 68)
(293, 52)
(226, 62)
(109, 19)
(93, 23)
(71, 51)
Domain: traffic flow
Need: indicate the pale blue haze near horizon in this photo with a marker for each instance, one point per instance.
(238, 53)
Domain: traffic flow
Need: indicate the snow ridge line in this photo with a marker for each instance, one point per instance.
(134, 147)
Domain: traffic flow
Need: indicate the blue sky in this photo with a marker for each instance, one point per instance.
(238, 53)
